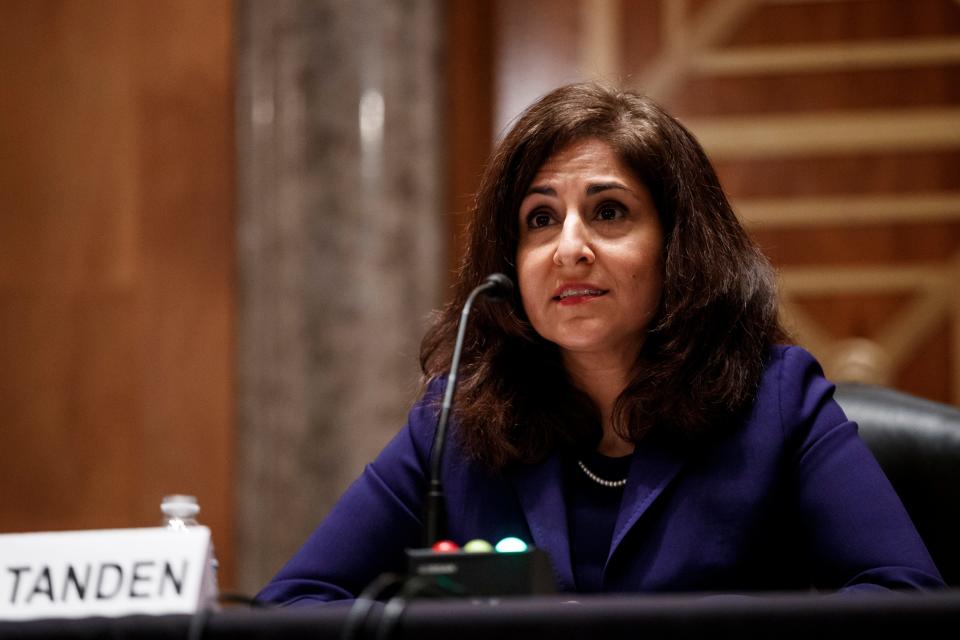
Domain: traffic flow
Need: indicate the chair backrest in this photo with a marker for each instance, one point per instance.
(917, 443)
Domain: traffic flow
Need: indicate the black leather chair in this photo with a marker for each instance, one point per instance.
(917, 443)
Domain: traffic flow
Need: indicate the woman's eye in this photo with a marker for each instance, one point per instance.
(538, 219)
(610, 211)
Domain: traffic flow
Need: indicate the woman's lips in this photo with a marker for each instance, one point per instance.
(578, 295)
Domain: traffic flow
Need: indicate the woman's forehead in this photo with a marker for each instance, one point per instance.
(586, 158)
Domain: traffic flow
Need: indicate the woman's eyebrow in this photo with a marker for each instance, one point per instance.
(546, 191)
(591, 189)
(606, 186)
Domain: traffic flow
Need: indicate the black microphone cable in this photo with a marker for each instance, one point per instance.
(396, 606)
(363, 606)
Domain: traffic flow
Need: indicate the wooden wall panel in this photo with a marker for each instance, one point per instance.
(919, 171)
(850, 20)
(819, 91)
(116, 259)
(468, 105)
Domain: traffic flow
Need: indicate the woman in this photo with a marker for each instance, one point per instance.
(629, 411)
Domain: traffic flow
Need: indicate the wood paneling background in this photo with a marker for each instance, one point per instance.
(835, 128)
(116, 259)
(468, 74)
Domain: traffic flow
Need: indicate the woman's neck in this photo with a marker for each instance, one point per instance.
(603, 380)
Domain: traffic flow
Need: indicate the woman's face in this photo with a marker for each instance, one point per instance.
(589, 255)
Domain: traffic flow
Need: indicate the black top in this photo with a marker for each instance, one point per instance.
(592, 511)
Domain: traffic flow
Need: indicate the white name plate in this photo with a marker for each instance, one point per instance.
(115, 572)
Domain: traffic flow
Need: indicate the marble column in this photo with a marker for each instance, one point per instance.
(340, 255)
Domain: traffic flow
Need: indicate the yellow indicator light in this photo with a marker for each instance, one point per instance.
(478, 546)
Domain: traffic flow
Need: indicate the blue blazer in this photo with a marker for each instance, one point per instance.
(787, 498)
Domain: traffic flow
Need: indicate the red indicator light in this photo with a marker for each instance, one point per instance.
(445, 546)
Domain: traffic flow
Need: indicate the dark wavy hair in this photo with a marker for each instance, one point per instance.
(707, 344)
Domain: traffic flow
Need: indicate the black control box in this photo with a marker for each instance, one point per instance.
(487, 573)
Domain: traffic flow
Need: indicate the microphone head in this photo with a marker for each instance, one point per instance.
(502, 287)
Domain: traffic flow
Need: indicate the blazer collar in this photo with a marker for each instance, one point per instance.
(539, 488)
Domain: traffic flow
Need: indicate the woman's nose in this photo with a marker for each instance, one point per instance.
(573, 244)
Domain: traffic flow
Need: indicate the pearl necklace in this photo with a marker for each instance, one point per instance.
(613, 484)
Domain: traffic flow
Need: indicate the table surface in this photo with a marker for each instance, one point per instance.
(793, 615)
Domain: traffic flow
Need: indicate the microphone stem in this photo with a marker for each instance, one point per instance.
(436, 521)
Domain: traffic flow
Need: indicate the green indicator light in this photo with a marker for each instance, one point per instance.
(511, 545)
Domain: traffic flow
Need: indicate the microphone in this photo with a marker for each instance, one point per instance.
(509, 568)
(497, 288)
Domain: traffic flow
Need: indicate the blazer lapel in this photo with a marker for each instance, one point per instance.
(652, 468)
(539, 489)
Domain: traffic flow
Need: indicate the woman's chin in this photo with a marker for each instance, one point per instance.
(599, 347)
